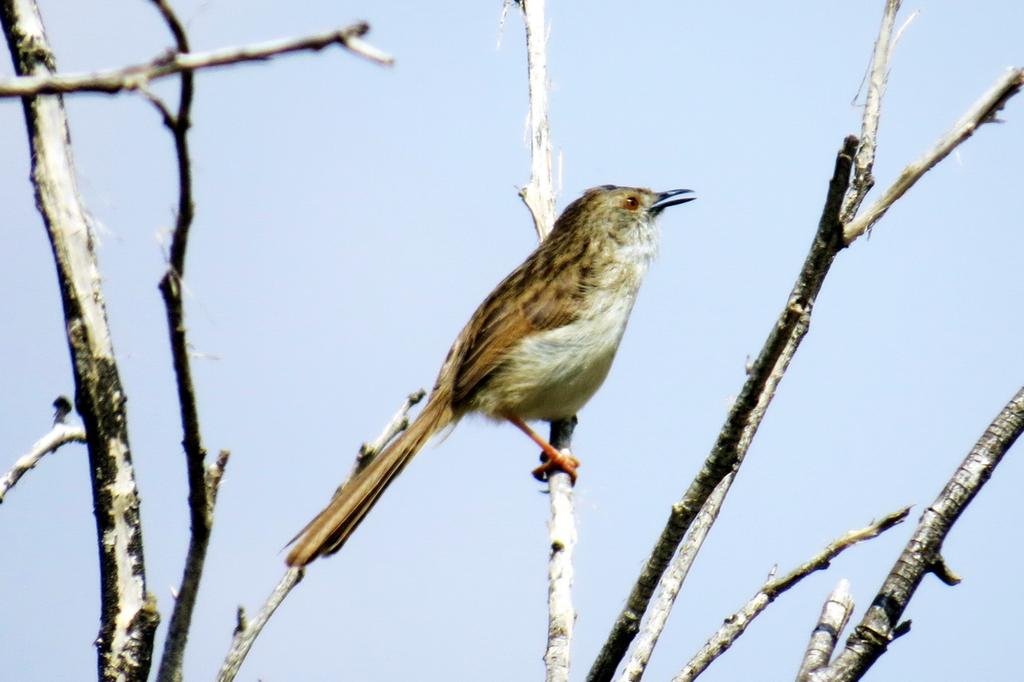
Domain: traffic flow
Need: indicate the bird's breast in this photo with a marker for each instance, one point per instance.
(551, 374)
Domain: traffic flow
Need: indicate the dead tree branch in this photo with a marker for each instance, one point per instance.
(139, 76)
(737, 623)
(200, 495)
(539, 197)
(562, 535)
(59, 435)
(672, 581)
(128, 617)
(923, 552)
(832, 621)
(539, 193)
(983, 111)
(864, 160)
(247, 632)
(745, 416)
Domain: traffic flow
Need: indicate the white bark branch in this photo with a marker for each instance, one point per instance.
(561, 613)
(246, 633)
(59, 435)
(539, 197)
(128, 617)
(140, 75)
(983, 111)
(835, 614)
(539, 193)
(864, 160)
(737, 623)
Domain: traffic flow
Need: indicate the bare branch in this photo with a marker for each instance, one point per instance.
(672, 580)
(562, 534)
(539, 197)
(246, 632)
(59, 435)
(863, 162)
(923, 552)
(745, 416)
(539, 193)
(128, 617)
(200, 497)
(398, 423)
(139, 75)
(983, 111)
(736, 624)
(831, 623)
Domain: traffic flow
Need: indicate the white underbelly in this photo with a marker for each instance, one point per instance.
(554, 373)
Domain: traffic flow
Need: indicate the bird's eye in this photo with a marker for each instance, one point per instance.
(631, 202)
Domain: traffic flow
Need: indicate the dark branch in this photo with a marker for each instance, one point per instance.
(200, 495)
(744, 418)
(922, 554)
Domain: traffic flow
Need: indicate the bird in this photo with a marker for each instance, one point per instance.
(537, 348)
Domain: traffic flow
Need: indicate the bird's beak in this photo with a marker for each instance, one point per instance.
(666, 199)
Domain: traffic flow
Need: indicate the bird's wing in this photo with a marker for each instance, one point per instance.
(540, 294)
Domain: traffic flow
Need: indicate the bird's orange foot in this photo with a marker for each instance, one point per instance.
(562, 462)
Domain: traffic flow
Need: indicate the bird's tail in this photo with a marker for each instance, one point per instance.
(329, 530)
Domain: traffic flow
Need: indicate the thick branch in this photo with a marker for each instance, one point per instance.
(737, 623)
(922, 554)
(744, 417)
(983, 111)
(128, 615)
(140, 75)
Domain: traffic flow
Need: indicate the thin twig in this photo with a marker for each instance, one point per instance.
(539, 193)
(864, 161)
(983, 111)
(923, 552)
(833, 619)
(128, 615)
(737, 623)
(59, 435)
(745, 416)
(398, 423)
(200, 498)
(139, 75)
(562, 534)
(672, 581)
(246, 633)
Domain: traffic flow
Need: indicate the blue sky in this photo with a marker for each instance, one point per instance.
(349, 219)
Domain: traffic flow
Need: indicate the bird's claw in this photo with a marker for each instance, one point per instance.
(564, 462)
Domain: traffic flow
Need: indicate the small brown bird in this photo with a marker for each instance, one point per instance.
(537, 348)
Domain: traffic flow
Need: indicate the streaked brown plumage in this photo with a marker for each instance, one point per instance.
(538, 347)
